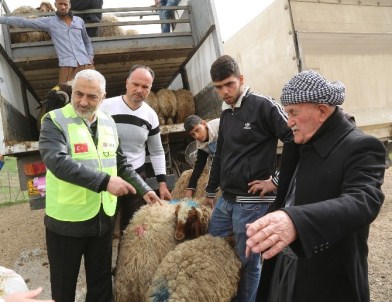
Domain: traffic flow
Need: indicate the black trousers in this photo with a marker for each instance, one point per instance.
(128, 204)
(65, 255)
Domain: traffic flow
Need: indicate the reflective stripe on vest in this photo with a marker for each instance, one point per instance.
(69, 202)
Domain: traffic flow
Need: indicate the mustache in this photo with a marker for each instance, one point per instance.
(294, 128)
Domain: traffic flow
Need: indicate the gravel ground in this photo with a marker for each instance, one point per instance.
(22, 247)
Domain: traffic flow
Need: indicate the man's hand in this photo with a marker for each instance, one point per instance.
(119, 187)
(189, 193)
(150, 197)
(210, 202)
(164, 192)
(270, 234)
(262, 186)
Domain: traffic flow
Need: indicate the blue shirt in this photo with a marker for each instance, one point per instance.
(72, 44)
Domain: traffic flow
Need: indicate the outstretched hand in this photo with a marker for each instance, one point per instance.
(151, 197)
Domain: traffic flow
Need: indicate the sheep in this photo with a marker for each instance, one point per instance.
(56, 98)
(31, 36)
(192, 219)
(167, 104)
(153, 101)
(46, 7)
(185, 104)
(146, 240)
(182, 183)
(131, 32)
(203, 269)
(152, 233)
(106, 31)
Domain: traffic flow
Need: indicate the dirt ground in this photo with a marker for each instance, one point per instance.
(22, 247)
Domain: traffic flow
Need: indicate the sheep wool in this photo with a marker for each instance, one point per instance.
(185, 104)
(29, 36)
(183, 181)
(167, 104)
(153, 101)
(204, 269)
(192, 219)
(146, 240)
(107, 31)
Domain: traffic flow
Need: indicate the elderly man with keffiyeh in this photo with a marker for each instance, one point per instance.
(314, 237)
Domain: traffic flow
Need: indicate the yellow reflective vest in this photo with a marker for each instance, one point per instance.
(70, 202)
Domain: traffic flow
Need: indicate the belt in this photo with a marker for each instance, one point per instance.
(232, 198)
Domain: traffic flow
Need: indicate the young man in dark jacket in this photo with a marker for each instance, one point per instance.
(244, 163)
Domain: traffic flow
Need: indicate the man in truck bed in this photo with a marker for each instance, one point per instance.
(71, 42)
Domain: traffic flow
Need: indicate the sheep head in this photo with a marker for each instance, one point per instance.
(191, 220)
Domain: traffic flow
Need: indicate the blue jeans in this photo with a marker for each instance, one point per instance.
(167, 14)
(228, 218)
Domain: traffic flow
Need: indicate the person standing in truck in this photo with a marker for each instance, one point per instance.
(329, 192)
(138, 129)
(79, 5)
(166, 14)
(206, 136)
(249, 128)
(86, 171)
(69, 36)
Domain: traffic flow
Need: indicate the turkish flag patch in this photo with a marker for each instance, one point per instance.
(80, 148)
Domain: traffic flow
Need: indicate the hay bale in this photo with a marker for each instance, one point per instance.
(167, 104)
(185, 104)
(107, 31)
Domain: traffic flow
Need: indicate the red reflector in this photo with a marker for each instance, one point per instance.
(35, 168)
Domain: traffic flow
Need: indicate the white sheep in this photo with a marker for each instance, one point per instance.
(31, 36)
(146, 240)
(203, 269)
(150, 235)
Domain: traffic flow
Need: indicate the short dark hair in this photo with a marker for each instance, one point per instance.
(137, 66)
(191, 121)
(224, 67)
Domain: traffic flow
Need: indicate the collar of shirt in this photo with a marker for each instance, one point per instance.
(239, 101)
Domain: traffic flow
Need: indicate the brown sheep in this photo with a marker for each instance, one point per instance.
(167, 105)
(192, 219)
(46, 7)
(153, 101)
(185, 104)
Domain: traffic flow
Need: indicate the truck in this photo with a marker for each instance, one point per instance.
(180, 59)
(344, 40)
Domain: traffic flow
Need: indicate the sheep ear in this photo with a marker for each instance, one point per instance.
(177, 209)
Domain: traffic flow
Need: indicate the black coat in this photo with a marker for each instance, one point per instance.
(338, 195)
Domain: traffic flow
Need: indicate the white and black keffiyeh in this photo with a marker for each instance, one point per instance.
(310, 87)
